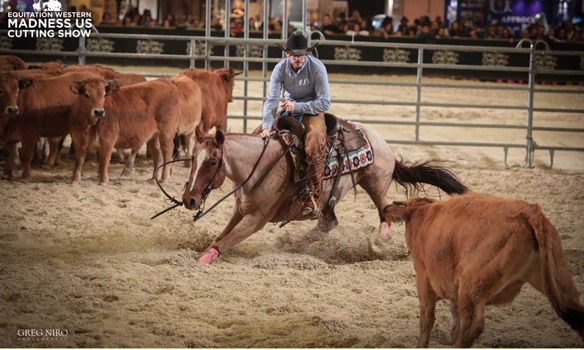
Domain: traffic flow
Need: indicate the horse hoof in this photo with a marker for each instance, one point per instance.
(127, 172)
(210, 255)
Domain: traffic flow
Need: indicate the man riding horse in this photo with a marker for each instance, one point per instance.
(307, 98)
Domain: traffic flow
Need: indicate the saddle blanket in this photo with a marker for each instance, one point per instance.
(360, 158)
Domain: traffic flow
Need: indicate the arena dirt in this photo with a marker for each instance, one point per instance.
(88, 259)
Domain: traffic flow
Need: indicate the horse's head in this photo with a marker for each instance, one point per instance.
(209, 175)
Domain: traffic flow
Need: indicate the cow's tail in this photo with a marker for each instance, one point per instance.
(557, 280)
(413, 176)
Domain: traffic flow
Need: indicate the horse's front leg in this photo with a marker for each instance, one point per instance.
(238, 229)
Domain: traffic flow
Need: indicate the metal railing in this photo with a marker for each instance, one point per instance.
(530, 145)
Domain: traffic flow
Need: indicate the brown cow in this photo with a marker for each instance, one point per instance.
(217, 91)
(476, 250)
(190, 109)
(10, 63)
(41, 109)
(108, 74)
(130, 117)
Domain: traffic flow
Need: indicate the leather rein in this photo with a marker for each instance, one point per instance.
(201, 212)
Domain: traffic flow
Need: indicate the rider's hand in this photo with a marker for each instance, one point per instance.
(289, 106)
(265, 132)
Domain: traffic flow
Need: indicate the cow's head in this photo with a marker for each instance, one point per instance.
(209, 175)
(10, 85)
(91, 95)
(54, 67)
(227, 76)
(403, 211)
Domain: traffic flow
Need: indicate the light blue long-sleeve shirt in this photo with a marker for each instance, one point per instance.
(308, 88)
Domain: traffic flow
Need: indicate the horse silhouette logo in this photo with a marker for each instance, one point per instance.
(50, 5)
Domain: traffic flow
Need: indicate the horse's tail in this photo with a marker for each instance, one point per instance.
(413, 176)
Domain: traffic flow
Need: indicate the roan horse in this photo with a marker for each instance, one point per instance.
(234, 156)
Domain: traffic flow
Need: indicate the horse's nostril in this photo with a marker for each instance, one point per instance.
(192, 202)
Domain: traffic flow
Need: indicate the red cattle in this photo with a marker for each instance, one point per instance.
(130, 117)
(40, 109)
(217, 91)
(10, 63)
(476, 250)
(108, 74)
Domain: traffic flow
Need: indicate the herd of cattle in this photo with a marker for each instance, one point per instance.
(103, 109)
(473, 250)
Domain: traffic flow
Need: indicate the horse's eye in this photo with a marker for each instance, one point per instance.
(213, 162)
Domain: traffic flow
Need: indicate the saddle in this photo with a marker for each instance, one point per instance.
(341, 138)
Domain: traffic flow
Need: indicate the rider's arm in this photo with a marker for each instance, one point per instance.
(322, 101)
(271, 104)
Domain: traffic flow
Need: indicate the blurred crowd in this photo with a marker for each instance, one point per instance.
(429, 30)
(355, 25)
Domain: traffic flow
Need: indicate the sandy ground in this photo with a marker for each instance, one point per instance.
(88, 259)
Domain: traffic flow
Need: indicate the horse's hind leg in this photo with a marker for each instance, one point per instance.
(377, 188)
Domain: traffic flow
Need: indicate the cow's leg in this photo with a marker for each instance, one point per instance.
(121, 155)
(54, 151)
(129, 164)
(455, 321)
(190, 145)
(105, 154)
(154, 146)
(28, 144)
(472, 321)
(81, 145)
(166, 146)
(428, 299)
(10, 151)
(377, 188)
(244, 228)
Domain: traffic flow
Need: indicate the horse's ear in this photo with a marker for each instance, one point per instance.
(220, 138)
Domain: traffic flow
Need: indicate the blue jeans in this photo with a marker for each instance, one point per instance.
(298, 116)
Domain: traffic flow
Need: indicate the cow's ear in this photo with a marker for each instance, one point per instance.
(76, 87)
(394, 213)
(200, 138)
(220, 138)
(112, 87)
(24, 83)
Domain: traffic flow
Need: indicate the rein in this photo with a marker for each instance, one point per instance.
(176, 202)
(201, 213)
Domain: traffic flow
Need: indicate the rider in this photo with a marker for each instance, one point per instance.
(307, 97)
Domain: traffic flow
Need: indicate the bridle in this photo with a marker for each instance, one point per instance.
(200, 213)
(207, 189)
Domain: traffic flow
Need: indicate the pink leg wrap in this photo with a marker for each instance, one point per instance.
(210, 255)
(384, 229)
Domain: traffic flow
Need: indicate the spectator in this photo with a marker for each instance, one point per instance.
(455, 30)
(169, 21)
(570, 31)
(491, 33)
(507, 35)
(356, 30)
(426, 35)
(215, 25)
(252, 24)
(107, 18)
(561, 36)
(442, 33)
(387, 28)
(127, 21)
(147, 20)
(328, 28)
(403, 28)
(356, 17)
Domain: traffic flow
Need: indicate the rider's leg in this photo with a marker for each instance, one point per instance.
(314, 145)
